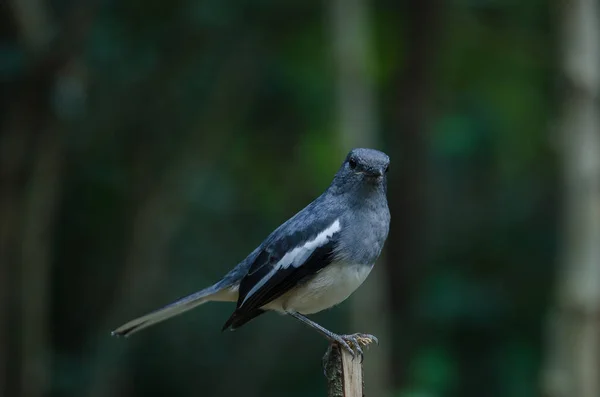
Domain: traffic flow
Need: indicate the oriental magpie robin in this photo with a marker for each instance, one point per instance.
(312, 262)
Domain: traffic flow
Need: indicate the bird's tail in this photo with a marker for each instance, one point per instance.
(178, 307)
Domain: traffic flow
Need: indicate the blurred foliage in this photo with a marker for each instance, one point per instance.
(191, 129)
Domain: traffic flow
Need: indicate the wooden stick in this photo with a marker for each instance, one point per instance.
(343, 371)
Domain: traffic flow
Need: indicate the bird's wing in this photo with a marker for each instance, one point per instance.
(286, 260)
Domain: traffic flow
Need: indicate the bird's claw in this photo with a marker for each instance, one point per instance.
(353, 343)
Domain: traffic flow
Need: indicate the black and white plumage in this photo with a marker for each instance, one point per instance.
(313, 261)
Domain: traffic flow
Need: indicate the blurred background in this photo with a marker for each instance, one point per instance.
(148, 146)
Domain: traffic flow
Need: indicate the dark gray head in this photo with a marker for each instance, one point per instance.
(362, 168)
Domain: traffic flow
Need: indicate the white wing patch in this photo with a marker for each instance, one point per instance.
(298, 255)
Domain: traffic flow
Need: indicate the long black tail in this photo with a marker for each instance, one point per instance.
(173, 309)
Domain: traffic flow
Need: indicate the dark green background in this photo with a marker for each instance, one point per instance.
(147, 146)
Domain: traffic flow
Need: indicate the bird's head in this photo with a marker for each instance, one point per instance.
(362, 168)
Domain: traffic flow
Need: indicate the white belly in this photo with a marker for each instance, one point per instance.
(327, 288)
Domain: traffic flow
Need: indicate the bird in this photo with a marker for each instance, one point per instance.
(312, 262)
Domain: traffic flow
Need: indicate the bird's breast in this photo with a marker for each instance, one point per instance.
(327, 288)
(363, 236)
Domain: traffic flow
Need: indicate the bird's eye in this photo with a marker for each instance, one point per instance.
(352, 163)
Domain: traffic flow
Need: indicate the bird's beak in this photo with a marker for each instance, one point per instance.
(374, 174)
(378, 174)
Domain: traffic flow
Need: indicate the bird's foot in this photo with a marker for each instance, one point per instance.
(354, 343)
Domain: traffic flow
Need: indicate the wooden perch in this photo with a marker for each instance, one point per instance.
(344, 371)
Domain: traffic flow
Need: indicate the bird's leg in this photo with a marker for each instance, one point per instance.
(356, 340)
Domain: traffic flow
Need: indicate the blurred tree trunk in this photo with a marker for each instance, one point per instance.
(39, 209)
(6, 202)
(13, 144)
(35, 128)
(37, 198)
(411, 101)
(358, 128)
(23, 236)
(573, 367)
